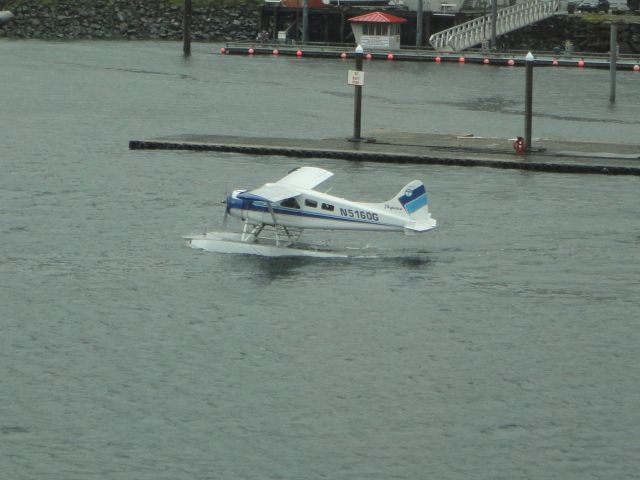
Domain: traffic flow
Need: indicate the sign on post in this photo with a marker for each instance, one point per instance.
(356, 77)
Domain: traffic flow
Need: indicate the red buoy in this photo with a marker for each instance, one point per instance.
(368, 56)
(636, 68)
(461, 59)
(343, 55)
(390, 56)
(437, 59)
(555, 62)
(581, 63)
(250, 51)
(511, 62)
(299, 53)
(222, 50)
(486, 61)
(275, 51)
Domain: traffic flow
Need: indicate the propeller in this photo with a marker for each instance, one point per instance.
(226, 211)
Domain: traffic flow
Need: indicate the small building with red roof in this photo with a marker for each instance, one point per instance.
(377, 30)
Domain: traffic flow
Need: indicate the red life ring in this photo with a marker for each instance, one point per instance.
(518, 145)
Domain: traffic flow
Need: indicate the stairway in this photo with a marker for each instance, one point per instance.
(475, 31)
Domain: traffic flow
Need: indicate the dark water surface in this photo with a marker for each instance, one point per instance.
(503, 345)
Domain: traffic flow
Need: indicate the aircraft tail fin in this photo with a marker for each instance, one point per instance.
(415, 205)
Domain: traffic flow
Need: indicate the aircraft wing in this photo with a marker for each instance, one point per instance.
(305, 178)
(271, 192)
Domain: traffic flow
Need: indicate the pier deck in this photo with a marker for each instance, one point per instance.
(423, 148)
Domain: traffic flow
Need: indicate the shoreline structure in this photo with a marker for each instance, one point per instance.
(236, 21)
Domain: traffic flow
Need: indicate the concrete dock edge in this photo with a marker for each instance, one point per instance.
(460, 160)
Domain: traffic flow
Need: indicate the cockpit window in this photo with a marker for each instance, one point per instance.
(290, 203)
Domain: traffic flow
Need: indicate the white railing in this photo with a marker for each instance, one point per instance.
(475, 31)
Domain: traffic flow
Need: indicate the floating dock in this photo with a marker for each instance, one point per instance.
(495, 58)
(423, 148)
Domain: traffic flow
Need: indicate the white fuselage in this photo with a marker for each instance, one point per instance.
(316, 210)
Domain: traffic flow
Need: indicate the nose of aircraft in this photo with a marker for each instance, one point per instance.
(232, 201)
(227, 202)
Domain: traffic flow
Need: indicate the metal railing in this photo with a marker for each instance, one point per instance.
(475, 31)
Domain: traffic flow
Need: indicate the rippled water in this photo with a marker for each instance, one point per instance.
(501, 345)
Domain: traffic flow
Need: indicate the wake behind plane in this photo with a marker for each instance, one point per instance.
(292, 204)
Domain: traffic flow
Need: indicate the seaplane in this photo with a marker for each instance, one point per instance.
(275, 214)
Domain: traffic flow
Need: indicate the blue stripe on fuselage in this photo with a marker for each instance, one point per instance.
(306, 213)
(233, 202)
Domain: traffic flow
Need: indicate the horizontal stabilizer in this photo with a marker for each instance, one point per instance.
(412, 228)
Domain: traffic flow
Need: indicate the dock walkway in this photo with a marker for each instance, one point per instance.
(472, 56)
(423, 148)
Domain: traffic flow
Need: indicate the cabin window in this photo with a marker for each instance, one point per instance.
(376, 28)
(310, 203)
(326, 206)
(290, 203)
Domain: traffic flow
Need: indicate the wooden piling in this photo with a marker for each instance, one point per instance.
(186, 29)
(419, 23)
(613, 59)
(494, 22)
(357, 107)
(528, 101)
(305, 21)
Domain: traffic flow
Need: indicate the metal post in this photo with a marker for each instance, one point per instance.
(297, 20)
(494, 21)
(427, 32)
(305, 21)
(186, 29)
(419, 23)
(613, 61)
(275, 24)
(528, 101)
(357, 105)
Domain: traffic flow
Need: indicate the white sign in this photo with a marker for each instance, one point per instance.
(355, 77)
(375, 41)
